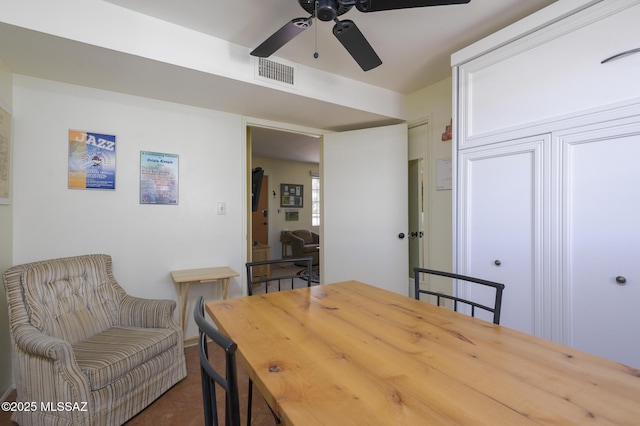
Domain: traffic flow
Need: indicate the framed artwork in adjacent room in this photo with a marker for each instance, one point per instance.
(291, 195)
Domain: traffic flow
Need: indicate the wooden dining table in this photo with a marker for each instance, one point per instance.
(353, 354)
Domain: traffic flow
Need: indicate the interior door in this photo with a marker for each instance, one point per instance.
(364, 207)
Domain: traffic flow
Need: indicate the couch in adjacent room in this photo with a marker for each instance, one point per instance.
(305, 243)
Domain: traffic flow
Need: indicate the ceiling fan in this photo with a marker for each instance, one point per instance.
(345, 31)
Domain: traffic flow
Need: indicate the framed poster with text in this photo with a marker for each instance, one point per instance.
(92, 160)
(158, 178)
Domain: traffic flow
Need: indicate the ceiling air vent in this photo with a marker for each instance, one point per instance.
(275, 71)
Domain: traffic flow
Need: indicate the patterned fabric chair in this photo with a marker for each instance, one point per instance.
(78, 338)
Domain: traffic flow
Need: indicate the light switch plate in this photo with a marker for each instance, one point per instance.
(222, 207)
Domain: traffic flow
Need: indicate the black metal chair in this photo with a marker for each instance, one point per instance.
(266, 272)
(210, 377)
(497, 303)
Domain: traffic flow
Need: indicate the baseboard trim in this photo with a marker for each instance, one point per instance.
(190, 341)
(6, 394)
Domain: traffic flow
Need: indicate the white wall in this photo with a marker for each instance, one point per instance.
(6, 247)
(146, 241)
(434, 104)
(283, 171)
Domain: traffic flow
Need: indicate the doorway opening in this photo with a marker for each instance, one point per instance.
(419, 158)
(416, 214)
(284, 157)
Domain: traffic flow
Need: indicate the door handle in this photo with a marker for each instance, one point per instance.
(401, 235)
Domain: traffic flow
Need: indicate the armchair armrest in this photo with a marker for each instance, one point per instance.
(148, 313)
(48, 357)
(33, 342)
(297, 244)
(295, 240)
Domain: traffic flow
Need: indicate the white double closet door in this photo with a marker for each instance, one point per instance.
(556, 218)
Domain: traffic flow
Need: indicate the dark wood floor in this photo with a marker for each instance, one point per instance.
(182, 404)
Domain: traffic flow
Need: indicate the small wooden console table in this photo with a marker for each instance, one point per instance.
(185, 277)
(285, 239)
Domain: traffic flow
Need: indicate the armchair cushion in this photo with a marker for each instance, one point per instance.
(111, 354)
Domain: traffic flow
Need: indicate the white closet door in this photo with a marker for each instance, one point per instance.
(602, 239)
(500, 225)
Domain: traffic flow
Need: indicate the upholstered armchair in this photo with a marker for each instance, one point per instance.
(77, 337)
(305, 243)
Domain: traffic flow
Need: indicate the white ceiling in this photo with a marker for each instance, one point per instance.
(415, 46)
(271, 143)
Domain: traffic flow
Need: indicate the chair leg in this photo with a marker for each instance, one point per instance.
(250, 398)
(276, 418)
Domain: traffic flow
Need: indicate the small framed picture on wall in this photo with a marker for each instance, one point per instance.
(291, 195)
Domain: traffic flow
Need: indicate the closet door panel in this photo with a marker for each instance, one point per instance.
(602, 239)
(500, 214)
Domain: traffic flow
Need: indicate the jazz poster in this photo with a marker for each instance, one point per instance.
(92, 160)
(158, 178)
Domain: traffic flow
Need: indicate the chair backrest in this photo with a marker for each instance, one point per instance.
(497, 302)
(210, 377)
(71, 298)
(267, 272)
(307, 236)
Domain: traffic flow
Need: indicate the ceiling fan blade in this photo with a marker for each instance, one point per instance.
(378, 5)
(281, 37)
(356, 44)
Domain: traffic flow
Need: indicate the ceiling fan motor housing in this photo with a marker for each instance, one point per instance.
(325, 10)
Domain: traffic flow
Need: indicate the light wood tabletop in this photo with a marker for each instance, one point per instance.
(353, 354)
(185, 277)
